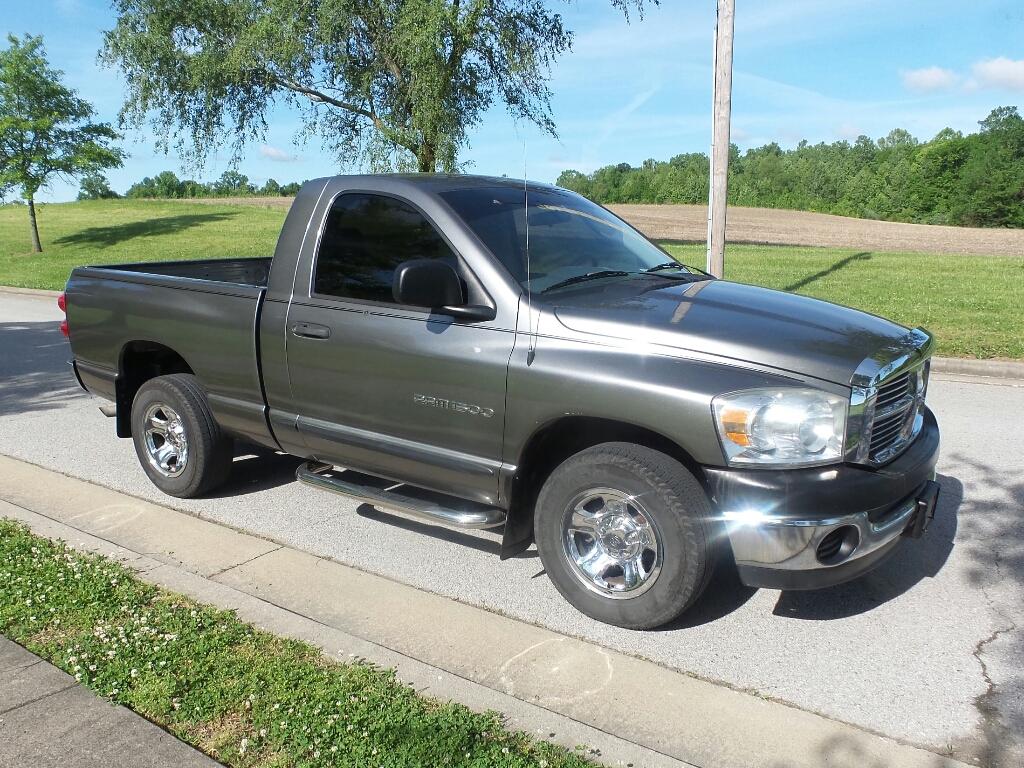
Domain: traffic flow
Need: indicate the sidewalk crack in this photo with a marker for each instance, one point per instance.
(38, 698)
(244, 562)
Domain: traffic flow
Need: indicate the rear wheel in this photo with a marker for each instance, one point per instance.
(624, 533)
(179, 443)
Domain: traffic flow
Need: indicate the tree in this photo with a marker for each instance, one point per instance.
(271, 189)
(397, 82)
(232, 183)
(46, 131)
(95, 186)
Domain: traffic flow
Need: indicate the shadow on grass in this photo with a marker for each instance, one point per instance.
(843, 262)
(163, 225)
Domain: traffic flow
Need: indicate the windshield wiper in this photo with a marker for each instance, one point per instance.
(677, 265)
(588, 276)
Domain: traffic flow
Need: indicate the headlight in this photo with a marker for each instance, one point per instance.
(781, 426)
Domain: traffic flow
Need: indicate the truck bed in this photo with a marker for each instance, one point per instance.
(252, 272)
(205, 311)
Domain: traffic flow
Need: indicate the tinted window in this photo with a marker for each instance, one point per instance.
(568, 234)
(365, 238)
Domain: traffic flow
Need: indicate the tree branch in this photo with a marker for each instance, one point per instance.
(322, 98)
(319, 96)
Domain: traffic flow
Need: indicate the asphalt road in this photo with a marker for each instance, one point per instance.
(928, 649)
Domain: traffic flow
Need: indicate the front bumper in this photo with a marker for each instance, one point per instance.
(776, 519)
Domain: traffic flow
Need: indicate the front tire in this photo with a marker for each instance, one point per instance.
(179, 443)
(625, 535)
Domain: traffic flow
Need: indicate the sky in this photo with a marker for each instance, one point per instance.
(804, 69)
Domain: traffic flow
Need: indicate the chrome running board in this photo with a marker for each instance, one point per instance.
(408, 500)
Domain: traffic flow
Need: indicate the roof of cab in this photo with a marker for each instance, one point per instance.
(440, 182)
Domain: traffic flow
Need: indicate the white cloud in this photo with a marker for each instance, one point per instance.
(276, 155)
(848, 130)
(1000, 73)
(929, 79)
(68, 7)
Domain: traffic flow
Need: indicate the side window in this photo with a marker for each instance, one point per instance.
(365, 238)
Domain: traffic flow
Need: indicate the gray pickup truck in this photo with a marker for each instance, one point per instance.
(486, 353)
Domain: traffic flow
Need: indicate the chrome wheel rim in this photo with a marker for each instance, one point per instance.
(166, 441)
(612, 543)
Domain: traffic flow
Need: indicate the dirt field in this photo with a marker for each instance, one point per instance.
(780, 227)
(767, 226)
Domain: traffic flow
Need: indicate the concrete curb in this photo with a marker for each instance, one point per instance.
(40, 292)
(631, 710)
(996, 369)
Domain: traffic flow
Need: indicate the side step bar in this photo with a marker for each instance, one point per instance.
(414, 502)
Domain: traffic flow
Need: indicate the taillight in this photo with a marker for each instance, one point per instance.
(65, 329)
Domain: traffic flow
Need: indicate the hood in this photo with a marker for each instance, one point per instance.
(742, 322)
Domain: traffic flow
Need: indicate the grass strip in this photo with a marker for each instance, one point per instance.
(243, 696)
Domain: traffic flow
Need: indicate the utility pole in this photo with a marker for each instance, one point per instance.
(719, 182)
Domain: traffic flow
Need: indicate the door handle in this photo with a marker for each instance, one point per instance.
(311, 330)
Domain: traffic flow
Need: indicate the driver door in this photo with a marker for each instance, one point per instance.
(387, 389)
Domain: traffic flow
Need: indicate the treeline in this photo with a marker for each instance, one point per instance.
(168, 185)
(972, 180)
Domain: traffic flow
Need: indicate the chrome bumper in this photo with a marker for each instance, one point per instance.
(781, 543)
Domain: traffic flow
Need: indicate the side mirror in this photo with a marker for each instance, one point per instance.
(435, 285)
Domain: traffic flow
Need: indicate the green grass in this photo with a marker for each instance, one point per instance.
(119, 231)
(971, 303)
(244, 696)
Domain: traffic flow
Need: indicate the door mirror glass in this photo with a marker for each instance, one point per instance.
(427, 283)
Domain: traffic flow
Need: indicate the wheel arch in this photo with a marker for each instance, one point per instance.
(553, 443)
(138, 362)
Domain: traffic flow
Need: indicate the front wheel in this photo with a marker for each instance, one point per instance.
(179, 443)
(625, 534)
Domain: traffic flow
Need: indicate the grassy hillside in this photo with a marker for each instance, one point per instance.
(970, 302)
(118, 231)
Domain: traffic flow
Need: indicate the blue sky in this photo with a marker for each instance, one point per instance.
(815, 69)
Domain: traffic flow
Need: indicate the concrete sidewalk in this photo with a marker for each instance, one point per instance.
(629, 710)
(47, 719)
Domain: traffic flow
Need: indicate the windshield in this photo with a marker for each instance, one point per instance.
(569, 236)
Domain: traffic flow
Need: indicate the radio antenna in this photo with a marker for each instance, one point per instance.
(532, 348)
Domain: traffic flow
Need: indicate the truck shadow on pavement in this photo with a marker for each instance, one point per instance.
(910, 563)
(257, 469)
(34, 373)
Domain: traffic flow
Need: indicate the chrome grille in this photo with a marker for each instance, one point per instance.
(887, 400)
(897, 405)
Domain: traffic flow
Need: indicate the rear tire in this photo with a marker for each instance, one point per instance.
(625, 534)
(180, 445)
